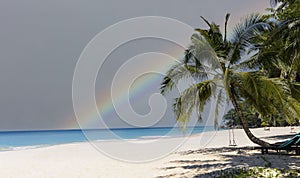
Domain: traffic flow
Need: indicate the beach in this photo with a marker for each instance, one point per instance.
(199, 154)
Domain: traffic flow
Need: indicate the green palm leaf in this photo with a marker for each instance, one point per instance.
(244, 35)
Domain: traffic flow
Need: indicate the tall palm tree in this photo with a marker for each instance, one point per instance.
(218, 70)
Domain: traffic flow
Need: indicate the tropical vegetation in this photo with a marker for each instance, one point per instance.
(262, 172)
(258, 65)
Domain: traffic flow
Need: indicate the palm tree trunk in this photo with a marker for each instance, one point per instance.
(243, 120)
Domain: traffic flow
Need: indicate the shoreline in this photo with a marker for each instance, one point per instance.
(142, 138)
(190, 159)
(94, 129)
(85, 139)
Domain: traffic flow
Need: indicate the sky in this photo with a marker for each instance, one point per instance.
(41, 41)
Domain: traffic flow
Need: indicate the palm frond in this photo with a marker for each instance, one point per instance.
(206, 21)
(219, 103)
(192, 99)
(226, 83)
(182, 72)
(292, 107)
(225, 26)
(264, 59)
(244, 34)
(267, 95)
(214, 37)
(295, 89)
(204, 53)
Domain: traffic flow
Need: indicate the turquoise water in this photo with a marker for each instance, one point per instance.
(23, 139)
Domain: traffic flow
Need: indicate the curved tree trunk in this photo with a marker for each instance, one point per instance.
(243, 120)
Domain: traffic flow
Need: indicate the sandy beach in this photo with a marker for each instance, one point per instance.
(200, 154)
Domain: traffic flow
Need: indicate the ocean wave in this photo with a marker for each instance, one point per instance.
(6, 148)
(16, 148)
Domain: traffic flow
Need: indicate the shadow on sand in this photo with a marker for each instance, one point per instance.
(193, 163)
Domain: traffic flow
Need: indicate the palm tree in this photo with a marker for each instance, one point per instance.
(280, 57)
(283, 53)
(218, 70)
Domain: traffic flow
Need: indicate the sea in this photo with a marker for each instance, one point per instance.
(17, 140)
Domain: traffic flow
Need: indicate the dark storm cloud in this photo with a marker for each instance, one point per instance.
(40, 42)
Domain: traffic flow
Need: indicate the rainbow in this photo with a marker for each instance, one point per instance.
(105, 106)
(140, 87)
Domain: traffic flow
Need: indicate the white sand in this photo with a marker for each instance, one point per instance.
(83, 160)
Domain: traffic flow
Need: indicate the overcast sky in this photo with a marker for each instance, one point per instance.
(41, 41)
